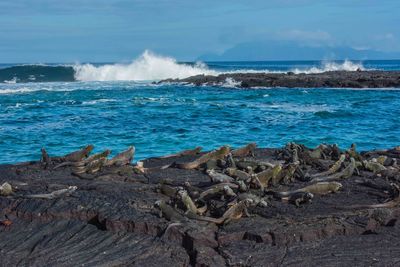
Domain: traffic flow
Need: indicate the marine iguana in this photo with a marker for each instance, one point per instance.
(219, 177)
(299, 198)
(54, 194)
(168, 190)
(189, 152)
(250, 170)
(344, 174)
(335, 151)
(238, 174)
(91, 167)
(230, 162)
(245, 151)
(256, 200)
(269, 175)
(76, 155)
(242, 185)
(139, 168)
(216, 189)
(83, 162)
(123, 158)
(381, 159)
(295, 156)
(244, 163)
(220, 153)
(235, 212)
(192, 190)
(333, 169)
(45, 159)
(322, 188)
(169, 212)
(287, 174)
(125, 170)
(6, 189)
(353, 153)
(373, 166)
(279, 173)
(318, 152)
(229, 192)
(291, 152)
(188, 202)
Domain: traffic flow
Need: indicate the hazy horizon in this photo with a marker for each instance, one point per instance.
(195, 61)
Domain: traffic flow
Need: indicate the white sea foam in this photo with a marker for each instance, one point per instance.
(147, 67)
(17, 90)
(297, 108)
(347, 65)
(231, 83)
(12, 81)
(97, 101)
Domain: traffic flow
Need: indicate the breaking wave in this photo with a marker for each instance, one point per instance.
(147, 67)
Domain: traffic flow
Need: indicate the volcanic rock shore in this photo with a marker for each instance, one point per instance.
(112, 220)
(331, 79)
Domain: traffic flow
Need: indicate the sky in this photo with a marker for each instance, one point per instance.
(40, 31)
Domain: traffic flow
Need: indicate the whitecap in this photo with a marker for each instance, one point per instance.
(17, 90)
(148, 67)
(94, 102)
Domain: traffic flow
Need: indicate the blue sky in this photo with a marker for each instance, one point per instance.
(119, 30)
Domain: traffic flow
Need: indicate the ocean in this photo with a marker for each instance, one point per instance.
(64, 107)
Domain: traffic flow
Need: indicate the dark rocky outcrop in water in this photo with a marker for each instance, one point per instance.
(111, 221)
(334, 79)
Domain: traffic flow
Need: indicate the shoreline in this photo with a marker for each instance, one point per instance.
(330, 79)
(115, 207)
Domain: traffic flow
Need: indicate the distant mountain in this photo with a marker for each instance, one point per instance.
(279, 50)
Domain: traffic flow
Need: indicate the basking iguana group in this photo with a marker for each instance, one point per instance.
(239, 181)
(85, 166)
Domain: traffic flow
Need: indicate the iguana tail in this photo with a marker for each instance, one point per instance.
(193, 216)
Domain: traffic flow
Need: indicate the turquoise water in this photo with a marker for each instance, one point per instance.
(164, 119)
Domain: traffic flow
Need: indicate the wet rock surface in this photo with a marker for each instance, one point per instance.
(335, 79)
(112, 220)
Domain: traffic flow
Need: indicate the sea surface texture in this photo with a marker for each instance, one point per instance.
(117, 105)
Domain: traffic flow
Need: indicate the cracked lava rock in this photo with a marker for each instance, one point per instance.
(112, 220)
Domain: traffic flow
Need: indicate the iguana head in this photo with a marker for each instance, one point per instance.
(248, 202)
(158, 203)
(89, 148)
(336, 186)
(182, 193)
(224, 150)
(309, 196)
(106, 153)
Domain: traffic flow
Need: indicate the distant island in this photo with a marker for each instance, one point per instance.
(287, 50)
